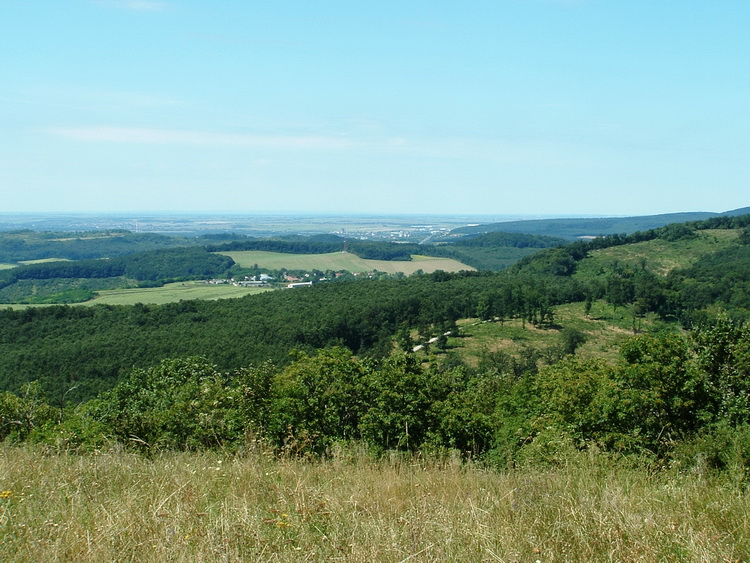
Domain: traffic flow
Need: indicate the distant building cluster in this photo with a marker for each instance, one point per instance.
(254, 281)
(410, 233)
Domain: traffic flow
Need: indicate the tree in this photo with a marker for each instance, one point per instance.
(570, 339)
(318, 400)
(179, 404)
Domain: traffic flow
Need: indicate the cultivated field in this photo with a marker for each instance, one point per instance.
(342, 261)
(254, 507)
(170, 293)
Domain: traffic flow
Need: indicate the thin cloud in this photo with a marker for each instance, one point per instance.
(468, 149)
(200, 138)
(136, 5)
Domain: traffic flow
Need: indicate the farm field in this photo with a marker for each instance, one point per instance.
(342, 261)
(170, 293)
(30, 262)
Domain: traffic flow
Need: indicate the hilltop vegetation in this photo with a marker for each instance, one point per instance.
(582, 371)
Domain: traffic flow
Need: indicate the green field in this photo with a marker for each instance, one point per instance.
(341, 261)
(42, 261)
(170, 293)
(28, 262)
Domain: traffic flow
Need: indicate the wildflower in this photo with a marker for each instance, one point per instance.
(6, 494)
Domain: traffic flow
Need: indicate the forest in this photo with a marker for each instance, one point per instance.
(306, 370)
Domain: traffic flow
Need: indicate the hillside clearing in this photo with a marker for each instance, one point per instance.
(479, 340)
(658, 255)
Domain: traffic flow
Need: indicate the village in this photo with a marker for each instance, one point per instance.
(288, 281)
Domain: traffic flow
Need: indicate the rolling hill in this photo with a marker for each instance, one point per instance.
(574, 228)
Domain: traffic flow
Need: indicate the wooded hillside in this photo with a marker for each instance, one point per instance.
(337, 362)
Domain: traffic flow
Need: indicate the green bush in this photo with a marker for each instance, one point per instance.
(179, 404)
(22, 415)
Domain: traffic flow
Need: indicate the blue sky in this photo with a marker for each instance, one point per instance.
(547, 107)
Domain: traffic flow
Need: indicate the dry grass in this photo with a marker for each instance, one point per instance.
(603, 338)
(208, 507)
(660, 256)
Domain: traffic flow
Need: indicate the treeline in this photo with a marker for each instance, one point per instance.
(514, 240)
(323, 245)
(668, 398)
(164, 264)
(721, 278)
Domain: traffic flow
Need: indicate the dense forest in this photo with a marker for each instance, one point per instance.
(25, 245)
(308, 369)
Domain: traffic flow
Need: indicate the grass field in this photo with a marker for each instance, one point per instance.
(43, 261)
(660, 256)
(341, 261)
(170, 293)
(214, 507)
(602, 335)
(28, 262)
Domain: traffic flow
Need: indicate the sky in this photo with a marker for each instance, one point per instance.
(498, 107)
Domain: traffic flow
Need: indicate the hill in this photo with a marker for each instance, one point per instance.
(574, 228)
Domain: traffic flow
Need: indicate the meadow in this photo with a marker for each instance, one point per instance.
(115, 506)
(171, 292)
(602, 333)
(342, 261)
(658, 255)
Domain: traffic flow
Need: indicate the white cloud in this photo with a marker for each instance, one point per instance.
(137, 5)
(498, 151)
(187, 137)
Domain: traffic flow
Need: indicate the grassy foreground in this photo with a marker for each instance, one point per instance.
(211, 507)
